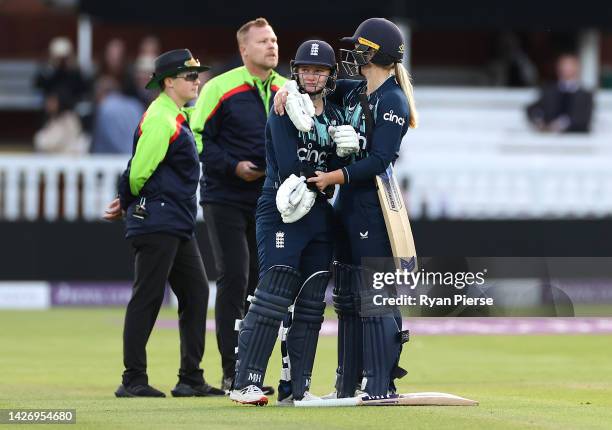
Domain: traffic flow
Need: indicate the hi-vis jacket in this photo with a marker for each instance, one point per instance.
(163, 173)
(229, 122)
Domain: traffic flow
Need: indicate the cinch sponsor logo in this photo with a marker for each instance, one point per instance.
(390, 116)
(312, 155)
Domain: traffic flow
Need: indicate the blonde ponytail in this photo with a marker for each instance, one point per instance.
(403, 79)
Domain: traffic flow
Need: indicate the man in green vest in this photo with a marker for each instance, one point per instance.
(229, 122)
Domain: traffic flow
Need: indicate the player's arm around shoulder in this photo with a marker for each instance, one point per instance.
(343, 86)
(282, 123)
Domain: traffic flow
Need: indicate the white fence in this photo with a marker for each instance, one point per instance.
(473, 186)
(55, 187)
(473, 157)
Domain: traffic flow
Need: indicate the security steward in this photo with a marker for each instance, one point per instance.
(157, 196)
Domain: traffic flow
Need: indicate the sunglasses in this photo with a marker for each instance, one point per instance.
(190, 77)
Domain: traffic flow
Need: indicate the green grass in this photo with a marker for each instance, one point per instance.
(67, 358)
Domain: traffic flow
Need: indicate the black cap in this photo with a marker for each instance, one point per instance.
(381, 35)
(171, 63)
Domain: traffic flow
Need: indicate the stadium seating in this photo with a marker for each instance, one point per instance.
(16, 89)
(474, 156)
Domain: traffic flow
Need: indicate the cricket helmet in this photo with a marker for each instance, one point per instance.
(378, 41)
(316, 53)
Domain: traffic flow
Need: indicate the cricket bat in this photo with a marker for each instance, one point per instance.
(408, 399)
(396, 221)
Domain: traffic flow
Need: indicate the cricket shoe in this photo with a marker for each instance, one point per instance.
(228, 381)
(250, 395)
(288, 401)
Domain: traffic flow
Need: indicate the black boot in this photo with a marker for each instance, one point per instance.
(138, 391)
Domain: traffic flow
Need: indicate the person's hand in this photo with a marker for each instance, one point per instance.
(322, 180)
(346, 139)
(247, 171)
(113, 212)
(280, 99)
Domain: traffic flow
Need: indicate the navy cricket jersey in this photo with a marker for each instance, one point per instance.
(391, 115)
(289, 151)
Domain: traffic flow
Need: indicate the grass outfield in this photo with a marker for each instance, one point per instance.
(71, 358)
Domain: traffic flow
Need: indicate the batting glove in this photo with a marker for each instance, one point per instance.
(303, 207)
(346, 139)
(299, 107)
(290, 193)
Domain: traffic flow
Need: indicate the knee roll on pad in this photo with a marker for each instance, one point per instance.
(346, 293)
(346, 303)
(259, 328)
(303, 335)
(364, 284)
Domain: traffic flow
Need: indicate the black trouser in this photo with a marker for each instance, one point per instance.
(232, 236)
(161, 257)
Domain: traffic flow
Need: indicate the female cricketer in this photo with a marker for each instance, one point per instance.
(381, 108)
(294, 234)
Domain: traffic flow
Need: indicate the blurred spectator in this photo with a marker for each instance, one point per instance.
(564, 106)
(61, 74)
(149, 47)
(116, 66)
(62, 133)
(143, 68)
(138, 73)
(117, 115)
(115, 63)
